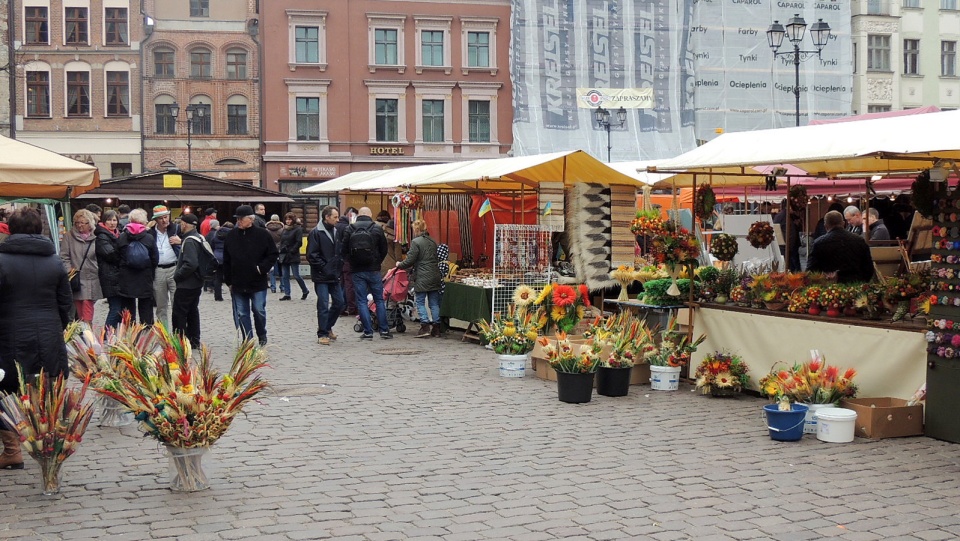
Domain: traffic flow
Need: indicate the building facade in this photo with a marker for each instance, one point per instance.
(6, 107)
(372, 84)
(905, 54)
(201, 87)
(77, 91)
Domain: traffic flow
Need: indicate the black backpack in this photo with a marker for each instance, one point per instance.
(207, 264)
(137, 256)
(363, 247)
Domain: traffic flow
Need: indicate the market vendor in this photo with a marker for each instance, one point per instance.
(841, 252)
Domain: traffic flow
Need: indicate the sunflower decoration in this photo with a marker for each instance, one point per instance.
(724, 247)
(760, 234)
(524, 296)
(704, 201)
(512, 333)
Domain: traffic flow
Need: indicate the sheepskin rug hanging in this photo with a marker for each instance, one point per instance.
(589, 226)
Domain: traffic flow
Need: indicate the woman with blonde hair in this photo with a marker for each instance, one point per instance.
(422, 258)
(79, 256)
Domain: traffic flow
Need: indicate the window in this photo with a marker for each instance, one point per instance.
(385, 41)
(236, 64)
(479, 120)
(118, 93)
(200, 63)
(911, 3)
(878, 108)
(431, 48)
(121, 170)
(163, 63)
(478, 49)
(201, 123)
(199, 8)
(878, 53)
(115, 21)
(948, 4)
(386, 120)
(877, 7)
(36, 31)
(38, 94)
(165, 123)
(308, 119)
(911, 56)
(237, 119)
(948, 58)
(433, 121)
(78, 93)
(308, 44)
(76, 26)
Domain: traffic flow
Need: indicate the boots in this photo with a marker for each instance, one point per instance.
(10, 459)
(424, 331)
(435, 330)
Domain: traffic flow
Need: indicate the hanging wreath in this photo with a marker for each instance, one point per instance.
(724, 246)
(798, 198)
(407, 200)
(923, 195)
(647, 223)
(760, 234)
(704, 201)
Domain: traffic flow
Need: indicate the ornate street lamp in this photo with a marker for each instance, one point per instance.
(796, 27)
(602, 116)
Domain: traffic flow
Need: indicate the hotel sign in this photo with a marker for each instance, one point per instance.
(386, 151)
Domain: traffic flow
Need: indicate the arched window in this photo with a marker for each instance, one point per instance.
(236, 64)
(117, 83)
(231, 161)
(38, 90)
(200, 66)
(237, 115)
(164, 121)
(163, 58)
(78, 89)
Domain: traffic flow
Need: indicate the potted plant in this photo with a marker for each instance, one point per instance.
(575, 367)
(725, 282)
(709, 283)
(673, 353)
(722, 374)
(512, 336)
(631, 344)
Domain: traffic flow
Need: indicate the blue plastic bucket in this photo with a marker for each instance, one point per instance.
(785, 425)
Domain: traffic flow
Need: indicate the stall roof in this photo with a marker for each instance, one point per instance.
(382, 179)
(34, 172)
(194, 188)
(888, 146)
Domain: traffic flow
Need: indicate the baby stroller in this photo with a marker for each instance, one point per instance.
(395, 285)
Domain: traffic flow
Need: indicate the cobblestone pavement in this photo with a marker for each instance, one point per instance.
(421, 439)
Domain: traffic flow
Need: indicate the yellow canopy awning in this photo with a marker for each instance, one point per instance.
(33, 172)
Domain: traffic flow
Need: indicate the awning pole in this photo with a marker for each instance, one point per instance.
(789, 219)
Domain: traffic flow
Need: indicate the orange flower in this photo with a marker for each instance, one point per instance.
(564, 295)
(584, 294)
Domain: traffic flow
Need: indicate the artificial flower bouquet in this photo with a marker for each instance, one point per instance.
(633, 344)
(724, 247)
(721, 371)
(647, 223)
(675, 347)
(760, 234)
(900, 290)
(564, 358)
(511, 333)
(562, 306)
(811, 382)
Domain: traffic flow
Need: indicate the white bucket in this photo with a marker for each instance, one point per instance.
(836, 425)
(810, 421)
(664, 378)
(513, 366)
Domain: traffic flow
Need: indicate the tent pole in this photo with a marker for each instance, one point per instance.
(866, 210)
(789, 222)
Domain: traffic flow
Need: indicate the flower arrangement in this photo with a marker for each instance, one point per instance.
(675, 347)
(738, 294)
(760, 234)
(832, 297)
(658, 292)
(647, 223)
(633, 344)
(524, 295)
(723, 371)
(407, 200)
(704, 201)
(724, 247)
(513, 333)
(562, 306)
(811, 382)
(675, 246)
(650, 272)
(625, 276)
(50, 419)
(563, 358)
(797, 196)
(101, 357)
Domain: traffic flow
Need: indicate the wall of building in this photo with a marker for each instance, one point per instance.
(5, 107)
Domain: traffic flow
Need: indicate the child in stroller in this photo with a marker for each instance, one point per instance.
(395, 285)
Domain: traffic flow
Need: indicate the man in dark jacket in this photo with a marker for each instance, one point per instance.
(365, 246)
(215, 239)
(186, 298)
(841, 252)
(325, 255)
(249, 254)
(346, 279)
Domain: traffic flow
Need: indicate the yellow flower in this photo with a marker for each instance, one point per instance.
(524, 295)
(544, 294)
(531, 335)
(509, 329)
(558, 313)
(187, 388)
(581, 311)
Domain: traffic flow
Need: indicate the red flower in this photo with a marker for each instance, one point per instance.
(564, 295)
(584, 294)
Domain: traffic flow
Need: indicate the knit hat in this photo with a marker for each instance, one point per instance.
(243, 211)
(189, 219)
(274, 217)
(160, 211)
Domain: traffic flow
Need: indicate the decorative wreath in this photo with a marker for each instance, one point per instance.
(407, 200)
(704, 201)
(724, 246)
(923, 194)
(760, 234)
(798, 198)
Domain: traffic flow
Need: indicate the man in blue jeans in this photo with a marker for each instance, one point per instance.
(325, 255)
(249, 255)
(365, 247)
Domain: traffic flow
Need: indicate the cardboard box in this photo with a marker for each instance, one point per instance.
(880, 418)
(542, 369)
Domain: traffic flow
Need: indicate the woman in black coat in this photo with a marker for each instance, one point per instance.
(108, 258)
(136, 285)
(291, 239)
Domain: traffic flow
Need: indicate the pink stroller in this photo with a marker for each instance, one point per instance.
(395, 285)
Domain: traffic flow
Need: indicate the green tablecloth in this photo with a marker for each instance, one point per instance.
(466, 303)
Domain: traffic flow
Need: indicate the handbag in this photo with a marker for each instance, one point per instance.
(75, 279)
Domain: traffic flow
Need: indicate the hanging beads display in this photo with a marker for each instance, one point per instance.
(408, 207)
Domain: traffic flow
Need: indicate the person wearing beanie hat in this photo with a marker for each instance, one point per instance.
(167, 236)
(249, 255)
(275, 228)
(210, 215)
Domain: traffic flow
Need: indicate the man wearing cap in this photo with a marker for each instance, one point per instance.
(186, 298)
(168, 245)
(249, 254)
(211, 214)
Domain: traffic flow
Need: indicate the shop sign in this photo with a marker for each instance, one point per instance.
(308, 171)
(386, 151)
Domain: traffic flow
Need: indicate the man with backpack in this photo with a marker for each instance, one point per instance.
(194, 264)
(365, 246)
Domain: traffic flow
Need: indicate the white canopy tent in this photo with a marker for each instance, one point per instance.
(28, 171)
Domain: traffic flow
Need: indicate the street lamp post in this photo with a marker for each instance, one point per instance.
(796, 26)
(191, 110)
(603, 121)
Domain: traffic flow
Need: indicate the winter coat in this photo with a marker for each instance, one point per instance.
(173, 230)
(290, 241)
(137, 283)
(35, 300)
(216, 239)
(276, 229)
(324, 255)
(248, 256)
(108, 261)
(422, 258)
(187, 273)
(72, 252)
(842, 252)
(879, 231)
(378, 238)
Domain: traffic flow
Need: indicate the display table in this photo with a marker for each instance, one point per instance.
(654, 315)
(467, 303)
(890, 359)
